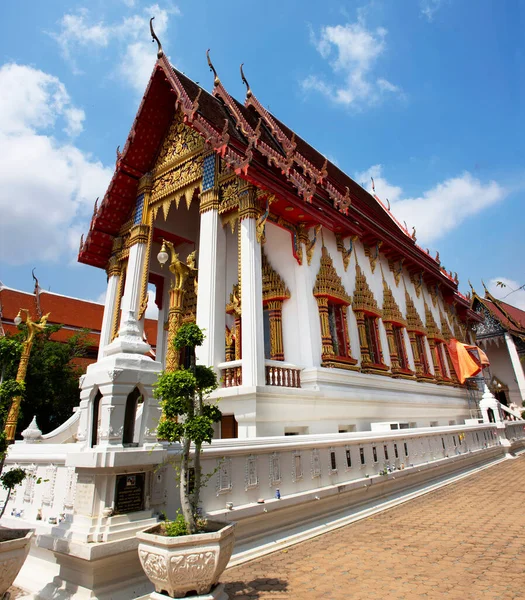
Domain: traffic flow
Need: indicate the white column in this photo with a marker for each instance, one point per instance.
(211, 315)
(251, 294)
(132, 289)
(516, 365)
(109, 307)
(160, 345)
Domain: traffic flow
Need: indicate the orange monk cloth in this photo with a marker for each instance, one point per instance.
(467, 360)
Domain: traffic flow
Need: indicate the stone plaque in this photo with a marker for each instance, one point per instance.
(129, 493)
(85, 494)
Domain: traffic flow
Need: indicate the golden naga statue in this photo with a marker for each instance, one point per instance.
(32, 327)
(180, 270)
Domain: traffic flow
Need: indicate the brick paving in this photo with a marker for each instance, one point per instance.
(463, 541)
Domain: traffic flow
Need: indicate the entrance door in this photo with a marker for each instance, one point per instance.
(229, 427)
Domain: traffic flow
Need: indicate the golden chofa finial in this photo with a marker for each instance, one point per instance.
(160, 51)
(216, 80)
(245, 81)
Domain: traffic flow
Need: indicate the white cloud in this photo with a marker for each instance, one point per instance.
(430, 7)
(439, 209)
(511, 293)
(352, 51)
(48, 186)
(131, 35)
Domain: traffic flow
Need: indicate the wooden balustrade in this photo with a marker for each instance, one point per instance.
(232, 377)
(283, 376)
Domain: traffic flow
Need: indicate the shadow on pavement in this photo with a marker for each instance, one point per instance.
(248, 590)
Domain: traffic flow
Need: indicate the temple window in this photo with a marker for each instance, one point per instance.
(422, 352)
(417, 334)
(95, 424)
(367, 314)
(130, 414)
(275, 293)
(338, 334)
(333, 302)
(372, 337)
(395, 324)
(399, 342)
(267, 339)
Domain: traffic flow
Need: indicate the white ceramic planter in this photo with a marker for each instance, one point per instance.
(14, 547)
(188, 563)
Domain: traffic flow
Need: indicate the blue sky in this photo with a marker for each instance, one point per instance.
(426, 96)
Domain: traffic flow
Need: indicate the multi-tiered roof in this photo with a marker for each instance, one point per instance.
(261, 149)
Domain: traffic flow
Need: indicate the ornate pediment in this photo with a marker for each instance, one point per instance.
(414, 322)
(391, 311)
(430, 324)
(328, 283)
(363, 296)
(445, 328)
(490, 326)
(273, 285)
(179, 143)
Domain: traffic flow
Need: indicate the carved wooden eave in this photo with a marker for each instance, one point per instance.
(273, 285)
(328, 283)
(363, 297)
(391, 311)
(414, 322)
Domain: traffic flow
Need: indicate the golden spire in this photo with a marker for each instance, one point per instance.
(216, 80)
(160, 52)
(245, 81)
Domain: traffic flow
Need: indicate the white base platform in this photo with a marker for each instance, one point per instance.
(217, 593)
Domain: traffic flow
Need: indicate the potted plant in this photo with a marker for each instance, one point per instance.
(14, 543)
(188, 554)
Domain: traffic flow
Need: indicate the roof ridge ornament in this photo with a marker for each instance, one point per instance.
(216, 79)
(245, 81)
(160, 51)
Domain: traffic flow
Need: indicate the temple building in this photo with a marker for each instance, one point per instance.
(501, 334)
(322, 314)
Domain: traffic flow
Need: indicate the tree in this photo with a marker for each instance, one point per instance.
(51, 383)
(187, 417)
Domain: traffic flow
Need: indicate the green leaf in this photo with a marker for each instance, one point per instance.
(12, 478)
(189, 335)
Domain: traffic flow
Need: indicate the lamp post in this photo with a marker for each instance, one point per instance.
(181, 272)
(32, 328)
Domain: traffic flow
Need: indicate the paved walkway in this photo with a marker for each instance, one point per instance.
(464, 541)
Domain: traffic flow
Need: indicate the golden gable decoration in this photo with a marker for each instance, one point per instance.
(431, 326)
(391, 311)
(363, 297)
(180, 143)
(445, 328)
(328, 283)
(273, 285)
(414, 322)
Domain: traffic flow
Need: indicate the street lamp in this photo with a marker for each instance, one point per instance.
(32, 328)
